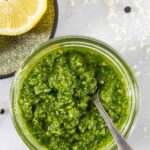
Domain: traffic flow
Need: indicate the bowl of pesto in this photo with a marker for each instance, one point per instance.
(51, 104)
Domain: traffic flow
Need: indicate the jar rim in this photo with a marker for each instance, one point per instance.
(101, 47)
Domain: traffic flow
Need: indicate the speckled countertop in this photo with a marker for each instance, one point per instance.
(128, 33)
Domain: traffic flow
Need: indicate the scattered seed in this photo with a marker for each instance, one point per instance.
(127, 9)
(2, 111)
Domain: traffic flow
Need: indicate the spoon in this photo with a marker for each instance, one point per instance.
(120, 141)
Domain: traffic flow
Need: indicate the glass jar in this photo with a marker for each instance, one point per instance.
(72, 41)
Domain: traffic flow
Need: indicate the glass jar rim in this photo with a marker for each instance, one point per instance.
(99, 46)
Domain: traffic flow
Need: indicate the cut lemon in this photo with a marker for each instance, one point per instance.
(20, 16)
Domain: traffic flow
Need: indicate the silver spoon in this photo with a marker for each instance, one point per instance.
(120, 141)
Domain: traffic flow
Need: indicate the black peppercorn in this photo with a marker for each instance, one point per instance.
(127, 9)
(2, 111)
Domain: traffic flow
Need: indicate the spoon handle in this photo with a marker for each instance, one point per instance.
(122, 144)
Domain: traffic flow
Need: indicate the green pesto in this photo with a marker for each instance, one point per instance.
(55, 104)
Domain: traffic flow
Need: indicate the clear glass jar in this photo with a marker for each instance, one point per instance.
(70, 41)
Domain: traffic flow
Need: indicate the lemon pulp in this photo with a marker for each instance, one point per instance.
(20, 16)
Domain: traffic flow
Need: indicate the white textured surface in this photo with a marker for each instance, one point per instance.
(127, 33)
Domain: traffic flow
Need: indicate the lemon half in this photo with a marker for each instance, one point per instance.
(19, 16)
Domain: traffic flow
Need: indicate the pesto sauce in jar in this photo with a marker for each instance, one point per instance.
(55, 104)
